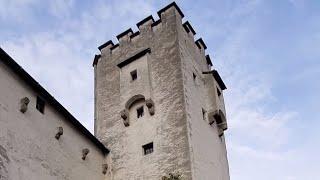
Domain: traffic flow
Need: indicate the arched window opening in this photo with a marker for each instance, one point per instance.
(133, 100)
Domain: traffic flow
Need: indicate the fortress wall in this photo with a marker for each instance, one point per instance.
(208, 153)
(167, 128)
(183, 142)
(28, 147)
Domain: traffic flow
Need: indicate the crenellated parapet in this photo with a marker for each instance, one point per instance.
(145, 22)
(149, 24)
(189, 29)
(200, 44)
(125, 36)
(156, 92)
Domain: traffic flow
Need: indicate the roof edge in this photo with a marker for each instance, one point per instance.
(219, 80)
(21, 73)
(134, 57)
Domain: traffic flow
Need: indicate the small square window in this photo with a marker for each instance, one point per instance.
(147, 148)
(134, 75)
(40, 105)
(140, 112)
(218, 92)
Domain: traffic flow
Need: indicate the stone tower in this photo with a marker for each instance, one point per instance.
(158, 104)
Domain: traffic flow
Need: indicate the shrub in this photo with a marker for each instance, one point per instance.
(172, 177)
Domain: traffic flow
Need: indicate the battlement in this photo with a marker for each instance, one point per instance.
(200, 43)
(149, 24)
(156, 87)
(187, 26)
(145, 20)
(124, 35)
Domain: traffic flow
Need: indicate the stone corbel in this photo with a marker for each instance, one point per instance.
(59, 133)
(223, 126)
(220, 132)
(104, 168)
(85, 152)
(220, 119)
(211, 118)
(125, 116)
(150, 105)
(24, 104)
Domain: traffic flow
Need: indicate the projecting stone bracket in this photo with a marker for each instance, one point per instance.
(125, 112)
(150, 105)
(59, 133)
(24, 104)
(85, 152)
(223, 126)
(211, 118)
(104, 168)
(125, 116)
(218, 117)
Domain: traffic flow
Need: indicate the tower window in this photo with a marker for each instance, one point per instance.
(140, 112)
(40, 105)
(204, 112)
(134, 75)
(147, 148)
(194, 76)
(218, 92)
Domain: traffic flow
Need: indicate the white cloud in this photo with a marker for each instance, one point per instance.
(244, 8)
(60, 68)
(16, 10)
(259, 134)
(60, 8)
(61, 58)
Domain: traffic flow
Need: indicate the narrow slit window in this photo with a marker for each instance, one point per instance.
(147, 148)
(194, 76)
(218, 92)
(140, 112)
(204, 113)
(134, 75)
(40, 105)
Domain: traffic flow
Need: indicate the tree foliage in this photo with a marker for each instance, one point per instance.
(172, 177)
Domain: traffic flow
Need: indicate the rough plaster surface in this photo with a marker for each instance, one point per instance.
(28, 147)
(167, 128)
(208, 151)
(183, 141)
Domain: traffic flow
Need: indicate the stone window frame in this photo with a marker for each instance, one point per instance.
(134, 75)
(194, 76)
(204, 114)
(140, 111)
(148, 148)
(125, 112)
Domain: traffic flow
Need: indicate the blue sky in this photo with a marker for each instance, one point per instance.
(268, 53)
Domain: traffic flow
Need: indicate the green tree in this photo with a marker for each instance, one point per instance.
(172, 177)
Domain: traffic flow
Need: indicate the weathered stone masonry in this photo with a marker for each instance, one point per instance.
(176, 84)
(39, 138)
(159, 108)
